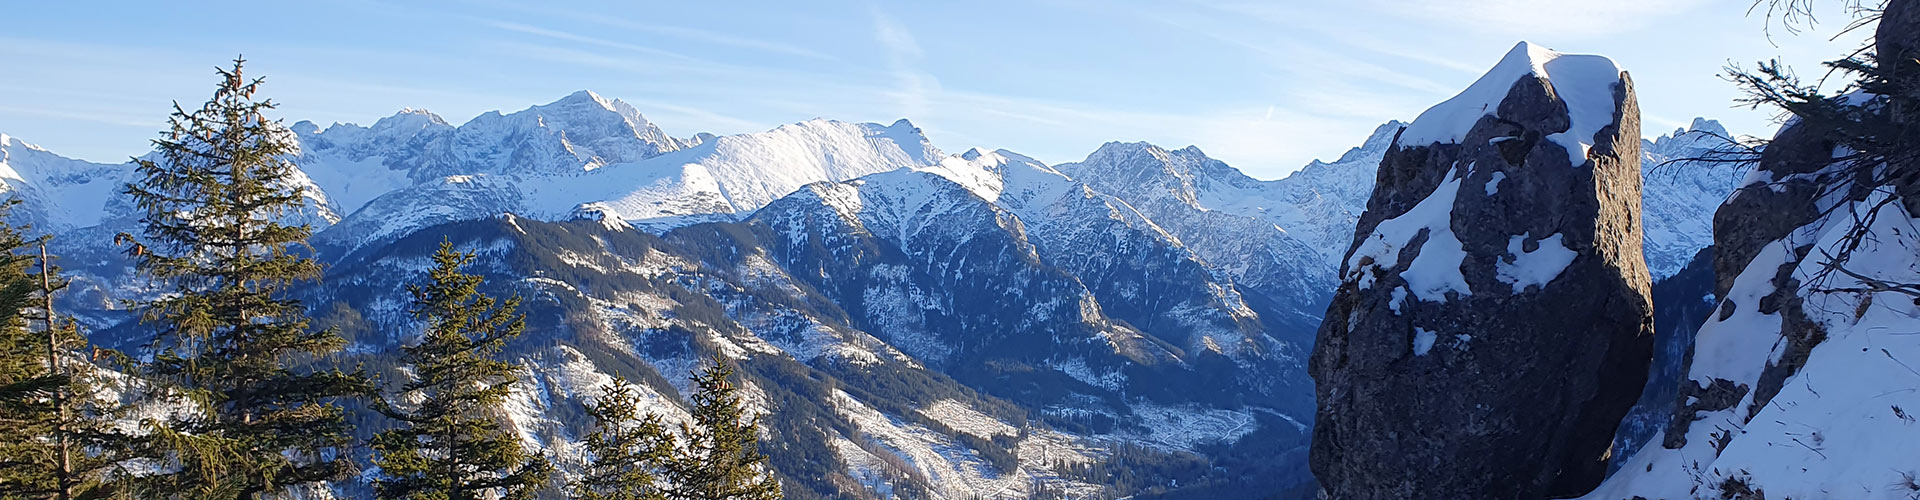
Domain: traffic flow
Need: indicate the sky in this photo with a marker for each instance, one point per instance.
(1263, 86)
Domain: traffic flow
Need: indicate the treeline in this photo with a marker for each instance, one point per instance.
(239, 396)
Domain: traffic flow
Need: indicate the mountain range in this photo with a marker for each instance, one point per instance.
(911, 323)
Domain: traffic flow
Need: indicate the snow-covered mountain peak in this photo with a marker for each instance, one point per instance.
(1171, 160)
(1702, 136)
(1681, 194)
(988, 174)
(1584, 82)
(1186, 172)
(386, 133)
(589, 157)
(409, 120)
(585, 103)
(8, 142)
(584, 97)
(595, 130)
(992, 158)
(735, 174)
(839, 148)
(1375, 145)
(59, 193)
(1701, 124)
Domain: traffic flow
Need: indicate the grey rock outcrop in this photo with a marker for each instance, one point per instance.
(1796, 182)
(1493, 323)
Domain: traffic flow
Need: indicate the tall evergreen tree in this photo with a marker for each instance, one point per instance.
(27, 384)
(54, 443)
(720, 458)
(448, 446)
(228, 338)
(628, 450)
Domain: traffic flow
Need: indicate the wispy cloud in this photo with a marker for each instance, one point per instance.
(903, 54)
(1285, 18)
(705, 36)
(560, 35)
(105, 118)
(1567, 18)
(1284, 48)
(678, 32)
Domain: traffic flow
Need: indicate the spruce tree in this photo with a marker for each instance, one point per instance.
(627, 450)
(54, 442)
(228, 337)
(720, 458)
(448, 446)
(27, 384)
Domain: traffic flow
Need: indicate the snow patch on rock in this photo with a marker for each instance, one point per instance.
(1436, 270)
(1535, 268)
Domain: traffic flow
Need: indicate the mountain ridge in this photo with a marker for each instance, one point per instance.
(1169, 299)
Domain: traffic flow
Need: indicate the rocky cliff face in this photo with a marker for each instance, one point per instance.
(1801, 383)
(1493, 322)
(1798, 385)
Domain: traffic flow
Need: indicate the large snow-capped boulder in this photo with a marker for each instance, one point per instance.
(1493, 322)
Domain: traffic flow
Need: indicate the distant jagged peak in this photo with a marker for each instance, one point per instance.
(992, 161)
(584, 97)
(988, 173)
(972, 154)
(577, 133)
(305, 128)
(996, 157)
(1135, 159)
(1697, 140)
(1365, 156)
(1702, 124)
(587, 101)
(583, 107)
(410, 120)
(1379, 141)
(827, 135)
(8, 143)
(1120, 148)
(396, 128)
(31, 159)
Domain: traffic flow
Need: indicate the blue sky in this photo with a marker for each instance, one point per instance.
(1265, 86)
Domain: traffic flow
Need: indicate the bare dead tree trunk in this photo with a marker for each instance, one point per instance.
(63, 473)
